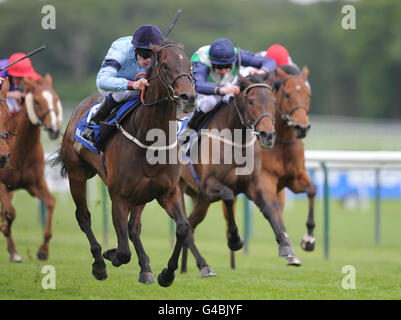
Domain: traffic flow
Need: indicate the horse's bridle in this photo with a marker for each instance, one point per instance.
(171, 96)
(3, 134)
(287, 116)
(249, 124)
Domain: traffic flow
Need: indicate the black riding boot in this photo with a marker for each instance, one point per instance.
(106, 106)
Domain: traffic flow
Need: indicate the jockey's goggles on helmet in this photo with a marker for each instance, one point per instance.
(222, 66)
(144, 53)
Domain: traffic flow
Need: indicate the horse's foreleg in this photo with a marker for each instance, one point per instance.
(7, 217)
(197, 215)
(134, 232)
(304, 184)
(122, 254)
(83, 216)
(41, 191)
(227, 217)
(171, 202)
(256, 193)
(215, 190)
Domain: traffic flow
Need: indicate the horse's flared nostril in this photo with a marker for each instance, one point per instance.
(4, 160)
(300, 131)
(267, 139)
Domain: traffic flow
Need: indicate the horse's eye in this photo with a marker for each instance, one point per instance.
(250, 102)
(164, 66)
(287, 95)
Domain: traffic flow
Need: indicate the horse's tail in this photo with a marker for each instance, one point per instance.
(55, 160)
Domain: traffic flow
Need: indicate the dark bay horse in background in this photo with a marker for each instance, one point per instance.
(131, 180)
(253, 109)
(284, 165)
(25, 170)
(5, 116)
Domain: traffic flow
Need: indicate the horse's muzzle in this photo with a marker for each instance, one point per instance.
(301, 132)
(4, 160)
(53, 134)
(187, 102)
(267, 139)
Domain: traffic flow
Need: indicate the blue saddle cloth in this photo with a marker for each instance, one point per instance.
(81, 125)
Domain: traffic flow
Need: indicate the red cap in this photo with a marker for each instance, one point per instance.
(279, 54)
(23, 68)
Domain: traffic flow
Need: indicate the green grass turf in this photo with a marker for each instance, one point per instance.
(259, 275)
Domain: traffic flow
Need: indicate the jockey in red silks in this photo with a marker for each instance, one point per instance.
(278, 53)
(116, 82)
(16, 74)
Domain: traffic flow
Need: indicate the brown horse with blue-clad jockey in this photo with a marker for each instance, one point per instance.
(251, 113)
(132, 181)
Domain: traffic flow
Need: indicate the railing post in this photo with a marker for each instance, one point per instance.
(105, 214)
(378, 208)
(247, 224)
(326, 235)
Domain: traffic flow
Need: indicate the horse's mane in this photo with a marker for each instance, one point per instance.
(289, 69)
(164, 42)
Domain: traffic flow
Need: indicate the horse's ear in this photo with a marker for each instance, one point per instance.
(281, 73)
(154, 47)
(305, 72)
(48, 79)
(29, 84)
(181, 46)
(5, 86)
(269, 78)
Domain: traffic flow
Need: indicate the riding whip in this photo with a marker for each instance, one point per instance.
(173, 21)
(28, 55)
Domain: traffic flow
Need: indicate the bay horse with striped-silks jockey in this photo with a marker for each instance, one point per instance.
(5, 116)
(132, 181)
(250, 111)
(283, 166)
(41, 109)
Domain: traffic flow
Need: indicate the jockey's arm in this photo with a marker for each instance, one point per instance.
(248, 59)
(200, 72)
(107, 79)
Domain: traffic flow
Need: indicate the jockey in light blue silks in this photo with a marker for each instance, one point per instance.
(216, 70)
(116, 82)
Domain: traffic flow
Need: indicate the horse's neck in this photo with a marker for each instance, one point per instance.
(158, 116)
(228, 118)
(28, 134)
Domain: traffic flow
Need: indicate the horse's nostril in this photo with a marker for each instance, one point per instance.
(184, 97)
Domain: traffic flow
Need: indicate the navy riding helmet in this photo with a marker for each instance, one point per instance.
(222, 52)
(146, 35)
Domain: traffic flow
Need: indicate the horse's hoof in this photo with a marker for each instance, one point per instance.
(42, 255)
(308, 243)
(99, 273)
(207, 272)
(293, 261)
(235, 244)
(15, 258)
(165, 280)
(285, 251)
(146, 278)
